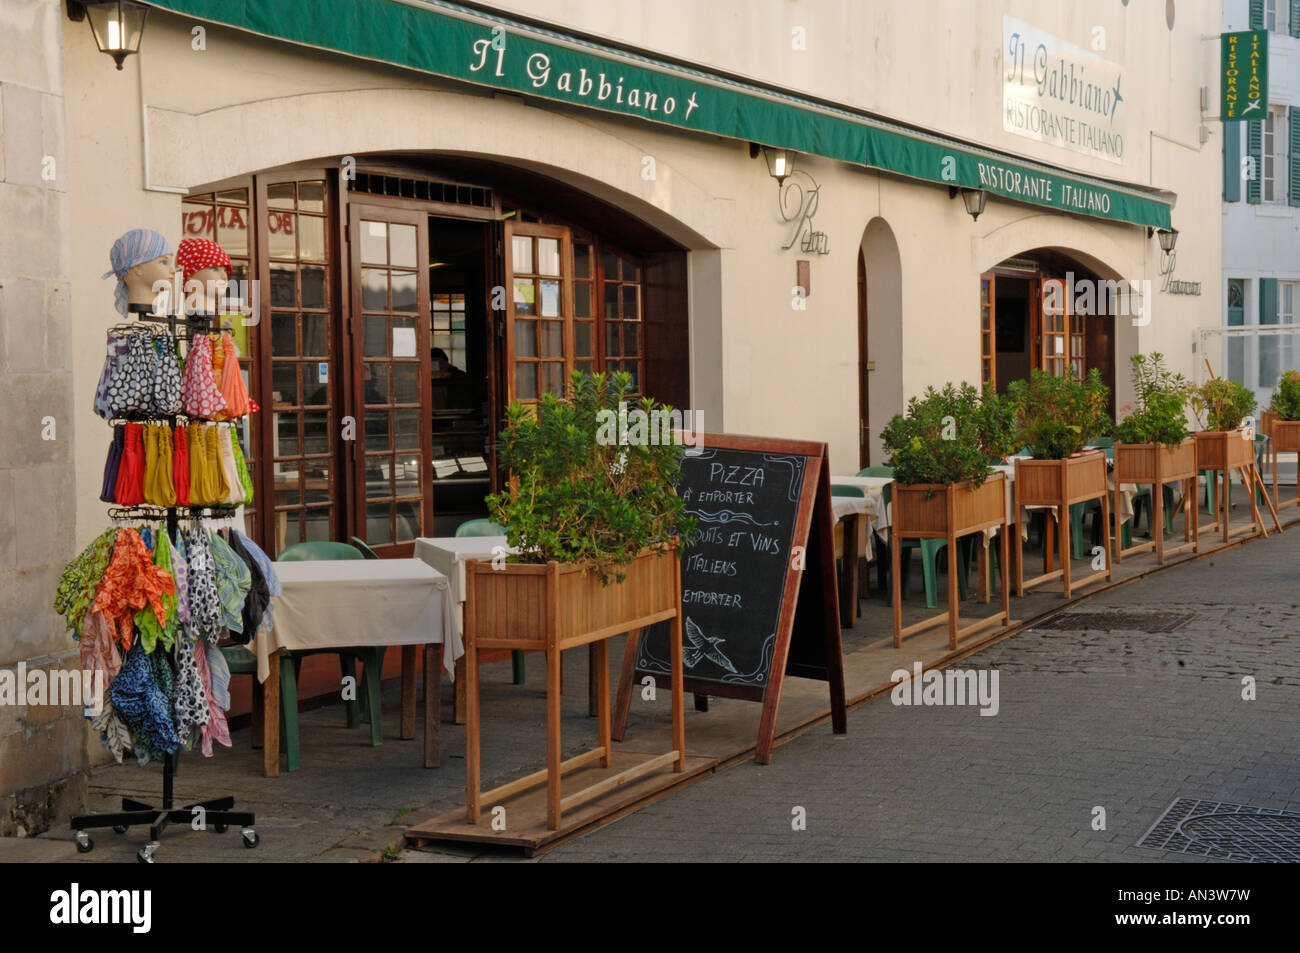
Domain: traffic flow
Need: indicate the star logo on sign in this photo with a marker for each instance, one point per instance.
(1118, 98)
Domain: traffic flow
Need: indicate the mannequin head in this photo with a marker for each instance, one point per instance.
(205, 271)
(139, 258)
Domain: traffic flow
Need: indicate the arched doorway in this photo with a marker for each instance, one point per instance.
(1046, 310)
(880, 332)
(402, 307)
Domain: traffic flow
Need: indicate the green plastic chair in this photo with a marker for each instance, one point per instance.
(366, 551)
(480, 527)
(486, 527)
(371, 658)
(842, 489)
(877, 472)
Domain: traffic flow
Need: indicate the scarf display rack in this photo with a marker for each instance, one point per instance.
(216, 813)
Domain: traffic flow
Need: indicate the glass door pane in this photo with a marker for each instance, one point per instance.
(540, 326)
(390, 296)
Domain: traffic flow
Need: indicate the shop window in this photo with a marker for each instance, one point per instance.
(298, 257)
(1236, 317)
(621, 316)
(225, 217)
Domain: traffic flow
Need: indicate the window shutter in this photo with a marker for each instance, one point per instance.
(1295, 18)
(1257, 14)
(1268, 301)
(1255, 149)
(1232, 161)
(1293, 153)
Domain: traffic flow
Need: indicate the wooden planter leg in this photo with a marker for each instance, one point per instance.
(678, 677)
(1063, 530)
(626, 676)
(954, 606)
(1106, 541)
(895, 544)
(600, 680)
(472, 781)
(1018, 547)
(1004, 567)
(1158, 514)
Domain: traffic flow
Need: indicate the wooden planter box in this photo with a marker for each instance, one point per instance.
(1062, 483)
(1155, 464)
(553, 607)
(948, 511)
(1285, 436)
(1266, 420)
(1223, 449)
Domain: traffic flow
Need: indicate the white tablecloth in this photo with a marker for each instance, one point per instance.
(360, 602)
(449, 554)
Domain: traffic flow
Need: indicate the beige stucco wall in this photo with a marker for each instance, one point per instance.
(42, 747)
(759, 366)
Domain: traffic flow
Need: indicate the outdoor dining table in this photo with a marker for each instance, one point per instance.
(334, 604)
(852, 542)
(878, 515)
(448, 555)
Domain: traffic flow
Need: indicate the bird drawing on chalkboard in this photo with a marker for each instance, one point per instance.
(704, 646)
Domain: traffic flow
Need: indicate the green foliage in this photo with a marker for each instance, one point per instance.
(948, 436)
(1162, 396)
(580, 497)
(1286, 399)
(1222, 404)
(1058, 416)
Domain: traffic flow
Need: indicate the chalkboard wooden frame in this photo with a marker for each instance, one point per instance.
(808, 643)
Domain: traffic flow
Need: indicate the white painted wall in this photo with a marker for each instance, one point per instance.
(1262, 241)
(759, 366)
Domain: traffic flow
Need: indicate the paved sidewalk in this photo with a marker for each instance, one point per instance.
(1121, 720)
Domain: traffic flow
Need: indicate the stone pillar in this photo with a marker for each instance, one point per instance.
(42, 747)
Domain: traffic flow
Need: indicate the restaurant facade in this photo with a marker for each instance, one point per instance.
(786, 219)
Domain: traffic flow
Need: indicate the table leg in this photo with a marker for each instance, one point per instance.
(432, 704)
(408, 692)
(594, 651)
(600, 687)
(851, 556)
(271, 718)
(259, 704)
(458, 717)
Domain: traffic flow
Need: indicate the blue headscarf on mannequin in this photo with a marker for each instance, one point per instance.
(134, 248)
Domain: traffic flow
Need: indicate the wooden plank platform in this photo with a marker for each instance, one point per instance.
(526, 812)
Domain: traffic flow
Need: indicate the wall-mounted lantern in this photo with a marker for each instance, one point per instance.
(973, 199)
(117, 25)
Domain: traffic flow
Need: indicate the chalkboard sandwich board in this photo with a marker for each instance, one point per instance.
(750, 617)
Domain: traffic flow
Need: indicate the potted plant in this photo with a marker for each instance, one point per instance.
(1224, 444)
(1057, 417)
(1223, 406)
(1283, 425)
(597, 526)
(1153, 446)
(940, 451)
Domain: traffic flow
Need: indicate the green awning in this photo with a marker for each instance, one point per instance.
(481, 48)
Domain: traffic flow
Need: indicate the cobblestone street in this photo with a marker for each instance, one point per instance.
(1121, 720)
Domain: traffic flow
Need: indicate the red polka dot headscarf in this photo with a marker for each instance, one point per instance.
(195, 254)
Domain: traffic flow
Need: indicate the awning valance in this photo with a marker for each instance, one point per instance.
(476, 47)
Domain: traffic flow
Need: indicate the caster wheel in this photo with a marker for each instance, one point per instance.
(84, 844)
(251, 839)
(119, 828)
(145, 853)
(221, 828)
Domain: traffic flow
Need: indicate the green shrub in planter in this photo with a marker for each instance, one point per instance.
(1286, 399)
(948, 436)
(578, 497)
(1222, 404)
(1058, 416)
(1160, 412)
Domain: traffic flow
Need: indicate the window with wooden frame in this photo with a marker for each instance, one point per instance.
(621, 293)
(226, 217)
(1078, 347)
(1055, 330)
(988, 331)
(297, 257)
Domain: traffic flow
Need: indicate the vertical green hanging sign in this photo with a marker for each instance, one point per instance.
(1243, 75)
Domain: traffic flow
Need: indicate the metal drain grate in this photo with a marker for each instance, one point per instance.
(1150, 622)
(1226, 832)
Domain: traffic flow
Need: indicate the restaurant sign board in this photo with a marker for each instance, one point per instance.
(1243, 75)
(1055, 92)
